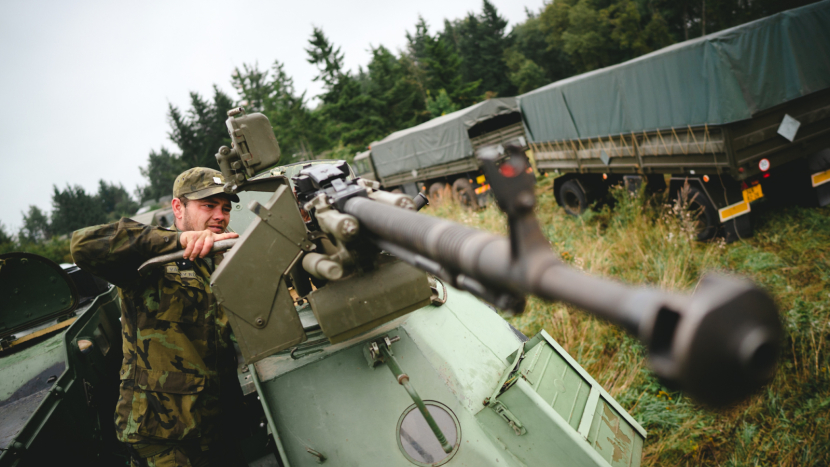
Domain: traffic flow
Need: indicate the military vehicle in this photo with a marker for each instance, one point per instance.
(332, 279)
(438, 157)
(741, 115)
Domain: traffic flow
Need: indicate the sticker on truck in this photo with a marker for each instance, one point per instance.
(732, 211)
(820, 178)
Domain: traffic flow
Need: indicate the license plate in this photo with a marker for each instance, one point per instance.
(735, 210)
(820, 178)
(753, 193)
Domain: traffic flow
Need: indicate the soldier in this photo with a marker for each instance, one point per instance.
(178, 356)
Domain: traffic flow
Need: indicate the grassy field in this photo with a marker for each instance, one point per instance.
(643, 241)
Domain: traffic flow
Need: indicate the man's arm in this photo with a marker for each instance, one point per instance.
(115, 251)
(198, 243)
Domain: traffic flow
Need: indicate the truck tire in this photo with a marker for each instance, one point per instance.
(707, 220)
(573, 198)
(463, 192)
(437, 192)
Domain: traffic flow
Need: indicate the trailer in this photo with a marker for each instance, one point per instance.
(438, 156)
(741, 115)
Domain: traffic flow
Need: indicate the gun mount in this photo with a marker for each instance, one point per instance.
(329, 273)
(717, 345)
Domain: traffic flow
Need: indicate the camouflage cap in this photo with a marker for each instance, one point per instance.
(200, 183)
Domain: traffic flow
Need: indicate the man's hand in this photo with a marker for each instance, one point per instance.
(198, 243)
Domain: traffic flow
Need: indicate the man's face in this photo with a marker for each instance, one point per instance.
(212, 213)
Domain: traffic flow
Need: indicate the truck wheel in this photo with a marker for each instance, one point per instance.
(705, 218)
(437, 192)
(573, 199)
(464, 193)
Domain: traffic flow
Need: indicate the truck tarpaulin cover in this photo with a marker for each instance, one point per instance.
(716, 79)
(439, 141)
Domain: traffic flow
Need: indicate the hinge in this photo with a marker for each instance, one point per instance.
(508, 416)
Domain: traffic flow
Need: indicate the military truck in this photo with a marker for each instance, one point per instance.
(162, 217)
(437, 157)
(741, 115)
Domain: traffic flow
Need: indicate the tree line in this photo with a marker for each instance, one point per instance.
(441, 69)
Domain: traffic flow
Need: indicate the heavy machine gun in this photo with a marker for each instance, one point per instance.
(717, 345)
(329, 262)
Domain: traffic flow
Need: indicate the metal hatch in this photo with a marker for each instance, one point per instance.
(34, 290)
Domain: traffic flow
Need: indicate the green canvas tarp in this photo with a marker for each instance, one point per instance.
(439, 141)
(715, 79)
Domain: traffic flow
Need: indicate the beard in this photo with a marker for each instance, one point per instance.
(190, 222)
(187, 221)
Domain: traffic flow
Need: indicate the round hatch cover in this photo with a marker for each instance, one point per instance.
(417, 441)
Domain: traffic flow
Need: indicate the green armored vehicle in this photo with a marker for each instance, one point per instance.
(333, 279)
(60, 350)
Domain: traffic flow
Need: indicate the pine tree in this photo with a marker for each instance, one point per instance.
(397, 92)
(329, 61)
(36, 226)
(115, 201)
(5, 238)
(201, 132)
(73, 209)
(481, 43)
(443, 72)
(161, 171)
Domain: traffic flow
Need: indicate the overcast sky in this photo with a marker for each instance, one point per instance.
(85, 84)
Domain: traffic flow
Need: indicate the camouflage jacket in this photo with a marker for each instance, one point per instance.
(176, 337)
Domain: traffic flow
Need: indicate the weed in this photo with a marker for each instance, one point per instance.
(645, 240)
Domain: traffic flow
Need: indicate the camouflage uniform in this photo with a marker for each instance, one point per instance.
(176, 338)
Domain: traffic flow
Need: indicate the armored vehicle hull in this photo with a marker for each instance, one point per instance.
(505, 400)
(58, 376)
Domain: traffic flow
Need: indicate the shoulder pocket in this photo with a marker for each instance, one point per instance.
(171, 382)
(182, 297)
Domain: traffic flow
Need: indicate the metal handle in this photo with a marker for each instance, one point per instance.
(403, 380)
(221, 245)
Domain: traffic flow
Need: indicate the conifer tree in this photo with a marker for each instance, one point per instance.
(73, 208)
(36, 226)
(481, 42)
(201, 131)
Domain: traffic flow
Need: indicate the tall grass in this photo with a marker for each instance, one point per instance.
(642, 240)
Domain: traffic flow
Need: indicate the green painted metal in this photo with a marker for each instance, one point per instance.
(439, 141)
(250, 282)
(70, 417)
(18, 368)
(456, 354)
(34, 290)
(403, 379)
(272, 427)
(350, 307)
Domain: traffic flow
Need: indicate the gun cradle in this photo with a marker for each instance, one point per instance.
(362, 302)
(251, 284)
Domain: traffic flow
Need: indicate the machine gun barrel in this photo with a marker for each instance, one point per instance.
(486, 258)
(717, 345)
